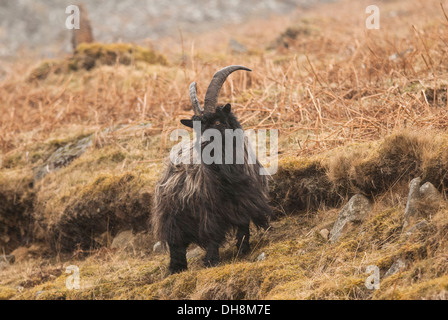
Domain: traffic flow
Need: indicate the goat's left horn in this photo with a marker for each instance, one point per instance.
(211, 96)
(194, 100)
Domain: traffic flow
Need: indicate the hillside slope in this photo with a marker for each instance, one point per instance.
(359, 112)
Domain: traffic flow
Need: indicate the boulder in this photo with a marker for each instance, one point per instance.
(419, 226)
(193, 253)
(237, 47)
(123, 240)
(354, 211)
(421, 201)
(158, 247)
(127, 240)
(411, 209)
(324, 233)
(397, 266)
(428, 191)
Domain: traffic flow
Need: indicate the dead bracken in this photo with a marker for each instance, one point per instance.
(358, 113)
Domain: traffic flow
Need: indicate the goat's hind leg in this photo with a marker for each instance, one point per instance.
(242, 239)
(178, 257)
(212, 254)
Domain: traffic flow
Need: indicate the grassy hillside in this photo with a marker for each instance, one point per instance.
(83, 139)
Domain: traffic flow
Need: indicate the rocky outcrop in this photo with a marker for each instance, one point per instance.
(354, 211)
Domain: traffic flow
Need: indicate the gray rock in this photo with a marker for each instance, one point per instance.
(158, 247)
(324, 233)
(414, 197)
(261, 257)
(193, 253)
(9, 258)
(429, 192)
(141, 242)
(354, 211)
(237, 47)
(123, 240)
(63, 156)
(417, 227)
(398, 266)
(399, 55)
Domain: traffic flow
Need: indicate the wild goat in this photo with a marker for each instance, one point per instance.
(202, 203)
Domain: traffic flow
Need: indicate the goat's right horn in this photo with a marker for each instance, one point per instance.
(211, 96)
(194, 100)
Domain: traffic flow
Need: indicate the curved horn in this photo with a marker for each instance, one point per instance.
(194, 100)
(211, 96)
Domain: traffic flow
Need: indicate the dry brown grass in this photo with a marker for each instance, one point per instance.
(334, 93)
(326, 89)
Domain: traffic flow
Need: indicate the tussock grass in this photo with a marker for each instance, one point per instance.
(357, 110)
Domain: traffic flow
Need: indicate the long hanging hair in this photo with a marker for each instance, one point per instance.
(205, 201)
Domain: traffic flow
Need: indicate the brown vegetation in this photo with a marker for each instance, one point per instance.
(357, 111)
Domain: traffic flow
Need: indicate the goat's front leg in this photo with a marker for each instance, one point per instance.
(242, 239)
(178, 257)
(212, 254)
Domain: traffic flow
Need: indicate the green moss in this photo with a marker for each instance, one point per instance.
(385, 225)
(44, 69)
(301, 184)
(7, 293)
(91, 55)
(88, 55)
(396, 159)
(428, 289)
(108, 203)
(12, 160)
(16, 205)
(278, 278)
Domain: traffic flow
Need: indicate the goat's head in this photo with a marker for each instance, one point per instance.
(213, 116)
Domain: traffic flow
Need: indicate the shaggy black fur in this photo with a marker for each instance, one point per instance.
(200, 203)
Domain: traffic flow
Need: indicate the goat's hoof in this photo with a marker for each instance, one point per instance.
(243, 250)
(177, 269)
(210, 263)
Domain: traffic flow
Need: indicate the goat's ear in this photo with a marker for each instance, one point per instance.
(227, 108)
(187, 122)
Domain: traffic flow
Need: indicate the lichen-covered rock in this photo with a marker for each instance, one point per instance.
(324, 233)
(429, 192)
(397, 266)
(123, 240)
(63, 156)
(158, 247)
(422, 200)
(419, 226)
(237, 47)
(354, 211)
(193, 253)
(130, 242)
(412, 203)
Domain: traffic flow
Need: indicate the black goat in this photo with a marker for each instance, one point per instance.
(201, 203)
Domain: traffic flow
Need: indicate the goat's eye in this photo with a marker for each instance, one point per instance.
(217, 123)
